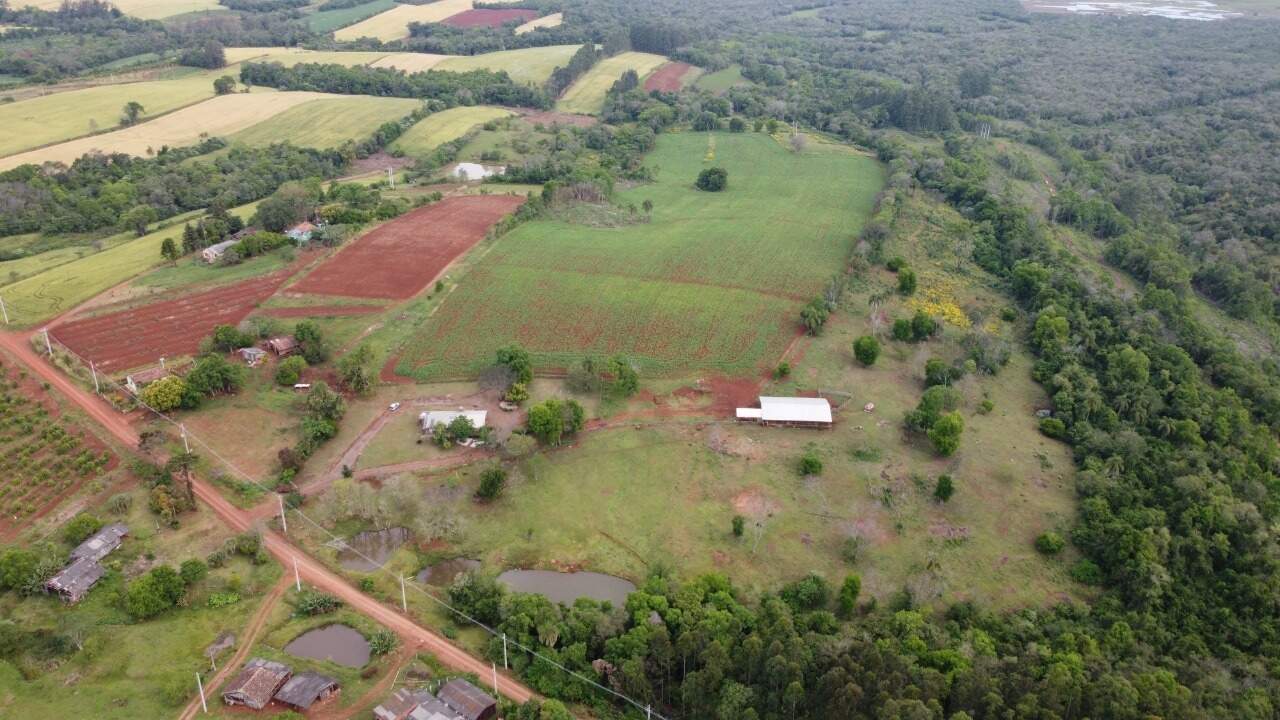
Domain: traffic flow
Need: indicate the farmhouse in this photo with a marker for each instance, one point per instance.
(306, 689)
(252, 355)
(83, 569)
(136, 381)
(256, 684)
(469, 701)
(301, 233)
(215, 252)
(789, 411)
(101, 543)
(283, 346)
(431, 418)
(406, 704)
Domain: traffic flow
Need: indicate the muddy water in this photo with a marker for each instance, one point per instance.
(567, 587)
(338, 643)
(375, 545)
(442, 574)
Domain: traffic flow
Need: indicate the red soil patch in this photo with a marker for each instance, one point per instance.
(668, 78)
(139, 336)
(321, 310)
(547, 117)
(729, 394)
(397, 260)
(378, 161)
(485, 17)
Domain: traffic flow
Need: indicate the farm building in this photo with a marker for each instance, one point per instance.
(789, 411)
(101, 543)
(256, 684)
(431, 418)
(283, 346)
(136, 381)
(83, 571)
(301, 233)
(306, 689)
(213, 253)
(252, 355)
(407, 704)
(469, 701)
(474, 171)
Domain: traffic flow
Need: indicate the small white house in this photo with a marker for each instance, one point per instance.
(792, 411)
(467, 171)
(213, 253)
(431, 418)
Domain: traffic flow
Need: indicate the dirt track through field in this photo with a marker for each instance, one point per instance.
(400, 258)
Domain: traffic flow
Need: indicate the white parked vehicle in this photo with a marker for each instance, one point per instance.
(393, 407)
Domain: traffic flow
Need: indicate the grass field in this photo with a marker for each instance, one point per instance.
(586, 94)
(293, 56)
(721, 80)
(61, 116)
(145, 9)
(330, 20)
(529, 65)
(43, 296)
(326, 123)
(393, 24)
(714, 281)
(439, 128)
(219, 116)
(410, 62)
(546, 21)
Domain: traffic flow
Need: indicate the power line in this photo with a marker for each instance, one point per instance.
(647, 709)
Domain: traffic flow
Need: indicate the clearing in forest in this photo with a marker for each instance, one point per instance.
(528, 65)
(327, 123)
(586, 94)
(546, 21)
(218, 116)
(399, 258)
(434, 130)
(711, 281)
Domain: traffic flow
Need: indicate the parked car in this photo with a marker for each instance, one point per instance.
(393, 407)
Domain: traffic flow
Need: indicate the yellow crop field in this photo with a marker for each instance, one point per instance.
(218, 116)
(61, 116)
(293, 56)
(434, 130)
(546, 21)
(411, 62)
(526, 66)
(394, 23)
(586, 95)
(326, 123)
(145, 9)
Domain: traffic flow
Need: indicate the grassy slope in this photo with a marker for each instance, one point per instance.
(439, 128)
(721, 80)
(546, 21)
(586, 94)
(529, 65)
(713, 281)
(326, 123)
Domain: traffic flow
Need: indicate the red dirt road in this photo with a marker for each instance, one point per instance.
(668, 78)
(488, 17)
(312, 571)
(139, 336)
(397, 260)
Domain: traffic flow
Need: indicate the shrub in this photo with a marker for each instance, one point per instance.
(810, 463)
(944, 489)
(782, 371)
(492, 481)
(382, 641)
(809, 593)
(289, 371)
(192, 571)
(120, 503)
(314, 602)
(739, 525)
(923, 327)
(518, 393)
(895, 264)
(712, 179)
(867, 350)
(223, 599)
(366, 585)
(1050, 543)
(1087, 572)
(945, 433)
(937, 372)
(1053, 427)
(902, 330)
(80, 528)
(906, 281)
(848, 596)
(164, 394)
(849, 548)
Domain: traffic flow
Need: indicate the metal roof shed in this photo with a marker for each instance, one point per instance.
(467, 700)
(814, 412)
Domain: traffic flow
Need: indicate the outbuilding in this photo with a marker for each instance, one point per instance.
(789, 412)
(431, 418)
(469, 701)
(256, 684)
(75, 580)
(301, 233)
(252, 355)
(214, 253)
(283, 346)
(306, 689)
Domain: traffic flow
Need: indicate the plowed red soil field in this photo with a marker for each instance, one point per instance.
(139, 336)
(668, 78)
(488, 18)
(399, 259)
(320, 311)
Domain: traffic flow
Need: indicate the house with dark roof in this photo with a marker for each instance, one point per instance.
(306, 689)
(283, 345)
(402, 703)
(256, 684)
(101, 543)
(469, 701)
(83, 570)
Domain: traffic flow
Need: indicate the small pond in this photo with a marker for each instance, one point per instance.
(368, 550)
(338, 643)
(443, 573)
(567, 587)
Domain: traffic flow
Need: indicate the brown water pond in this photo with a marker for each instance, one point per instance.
(443, 573)
(369, 550)
(567, 587)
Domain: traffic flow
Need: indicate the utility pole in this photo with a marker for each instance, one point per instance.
(284, 524)
(47, 345)
(391, 179)
(297, 579)
(404, 602)
(94, 370)
(185, 446)
(4, 310)
(504, 652)
(200, 685)
(495, 678)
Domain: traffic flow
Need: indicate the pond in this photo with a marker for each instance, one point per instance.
(443, 573)
(1172, 9)
(567, 587)
(337, 643)
(368, 550)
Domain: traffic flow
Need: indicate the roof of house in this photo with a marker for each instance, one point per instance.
(468, 700)
(101, 543)
(401, 703)
(794, 409)
(252, 351)
(305, 688)
(150, 375)
(219, 248)
(302, 227)
(282, 343)
(433, 709)
(258, 681)
(75, 579)
(431, 418)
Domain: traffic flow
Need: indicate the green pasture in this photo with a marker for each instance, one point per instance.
(721, 80)
(329, 20)
(712, 280)
(586, 94)
(434, 130)
(527, 65)
(326, 123)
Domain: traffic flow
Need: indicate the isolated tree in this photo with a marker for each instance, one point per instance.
(814, 315)
(492, 481)
(227, 338)
(945, 433)
(130, 113)
(810, 463)
(712, 179)
(626, 381)
(164, 394)
(354, 370)
(867, 350)
(169, 250)
(739, 525)
(517, 360)
(192, 571)
(137, 218)
(799, 141)
(737, 125)
(518, 393)
(289, 371)
(325, 403)
(647, 206)
(224, 85)
(906, 281)
(847, 598)
(944, 488)
(1050, 543)
(214, 375)
(311, 341)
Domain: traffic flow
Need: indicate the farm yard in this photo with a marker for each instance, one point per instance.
(586, 94)
(439, 128)
(671, 77)
(217, 116)
(401, 257)
(133, 337)
(685, 290)
(546, 21)
(326, 123)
